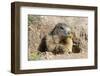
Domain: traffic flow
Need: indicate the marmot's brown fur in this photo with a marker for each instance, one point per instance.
(59, 40)
(53, 45)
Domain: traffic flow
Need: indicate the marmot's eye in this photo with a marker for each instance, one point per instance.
(61, 28)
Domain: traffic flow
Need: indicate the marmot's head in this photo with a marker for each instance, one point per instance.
(61, 29)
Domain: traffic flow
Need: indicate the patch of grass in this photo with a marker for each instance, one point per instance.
(33, 19)
(34, 56)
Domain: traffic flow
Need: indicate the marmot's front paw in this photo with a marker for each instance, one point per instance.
(58, 49)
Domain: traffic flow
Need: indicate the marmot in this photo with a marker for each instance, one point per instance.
(52, 42)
